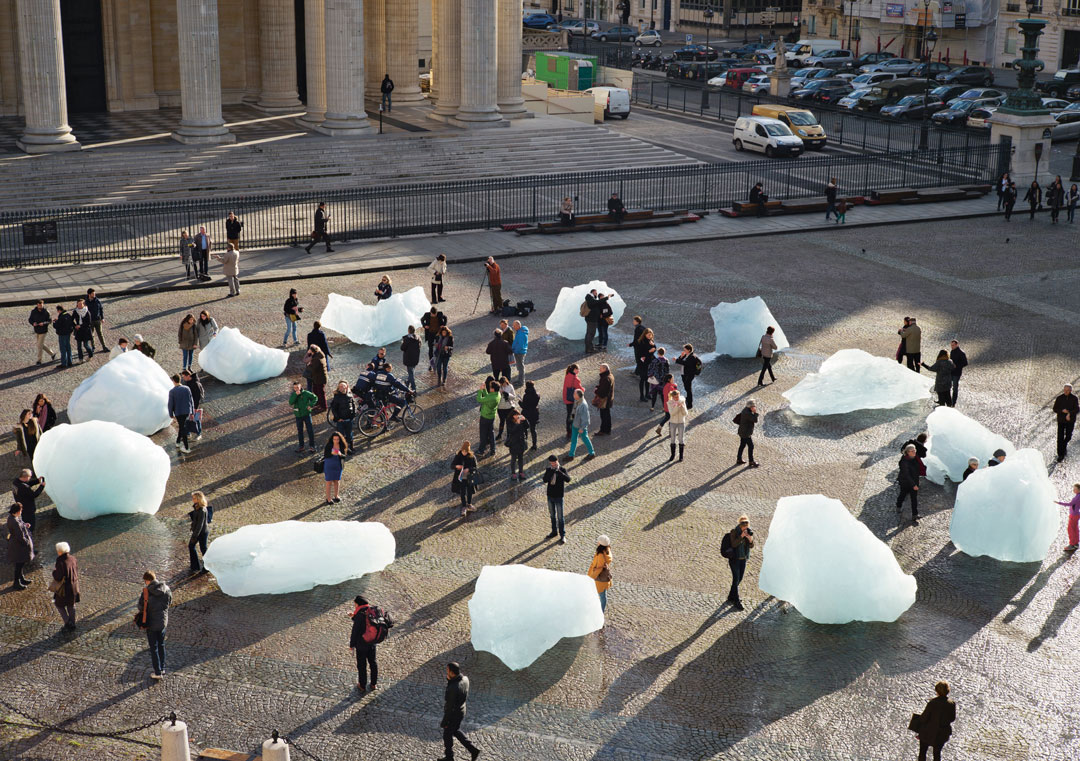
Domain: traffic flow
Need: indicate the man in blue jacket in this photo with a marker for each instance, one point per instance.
(386, 384)
(181, 407)
(520, 347)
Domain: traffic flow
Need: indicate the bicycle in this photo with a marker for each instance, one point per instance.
(371, 421)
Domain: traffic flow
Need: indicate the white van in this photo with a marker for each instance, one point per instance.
(803, 49)
(770, 136)
(615, 100)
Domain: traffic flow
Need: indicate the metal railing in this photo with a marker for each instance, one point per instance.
(133, 231)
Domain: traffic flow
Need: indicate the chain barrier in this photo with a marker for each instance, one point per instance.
(116, 734)
(300, 749)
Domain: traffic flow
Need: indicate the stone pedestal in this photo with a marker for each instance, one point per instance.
(511, 104)
(447, 70)
(479, 83)
(277, 52)
(780, 83)
(315, 62)
(1025, 132)
(374, 47)
(201, 122)
(402, 56)
(41, 71)
(345, 115)
(174, 740)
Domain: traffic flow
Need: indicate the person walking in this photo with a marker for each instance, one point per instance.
(334, 454)
(842, 207)
(766, 347)
(190, 379)
(230, 267)
(644, 349)
(463, 482)
(1066, 407)
(746, 420)
(153, 616)
(1002, 186)
(84, 330)
(908, 478)
(384, 290)
(830, 198)
(501, 354)
(319, 233)
(520, 348)
(600, 569)
(691, 368)
(432, 322)
(494, 275)
(911, 334)
(343, 412)
(667, 385)
(530, 409)
(386, 87)
(593, 306)
(410, 355)
(27, 434)
(200, 531)
(39, 321)
(1071, 199)
(604, 398)
(203, 244)
(508, 403)
(365, 651)
(20, 545)
(181, 407)
(233, 227)
(302, 402)
(292, 311)
(1033, 198)
(556, 478)
(571, 383)
(736, 547)
(65, 586)
(97, 316)
(580, 428)
(454, 700)
(188, 340)
(438, 274)
(517, 440)
(1055, 197)
(943, 370)
(935, 722)
(444, 346)
(959, 360)
(316, 337)
(206, 328)
(317, 375)
(659, 370)
(44, 412)
(488, 398)
(678, 414)
(26, 489)
(639, 329)
(1010, 200)
(187, 254)
(1074, 518)
(64, 325)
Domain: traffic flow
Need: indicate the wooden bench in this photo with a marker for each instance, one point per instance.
(634, 219)
(217, 754)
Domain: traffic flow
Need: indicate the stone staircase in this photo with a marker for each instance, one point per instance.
(313, 163)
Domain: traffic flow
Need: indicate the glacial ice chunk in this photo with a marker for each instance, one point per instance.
(954, 438)
(519, 612)
(739, 327)
(130, 389)
(1007, 511)
(826, 563)
(566, 320)
(384, 323)
(851, 380)
(97, 468)
(294, 556)
(232, 357)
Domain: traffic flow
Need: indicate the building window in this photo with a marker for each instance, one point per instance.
(811, 25)
(1010, 40)
(856, 29)
(833, 26)
(1071, 8)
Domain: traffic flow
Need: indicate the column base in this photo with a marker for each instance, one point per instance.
(350, 128)
(407, 95)
(443, 116)
(515, 109)
(457, 121)
(203, 138)
(311, 120)
(274, 108)
(31, 147)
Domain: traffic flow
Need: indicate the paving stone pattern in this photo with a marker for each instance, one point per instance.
(674, 675)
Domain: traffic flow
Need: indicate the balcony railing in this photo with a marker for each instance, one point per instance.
(1070, 10)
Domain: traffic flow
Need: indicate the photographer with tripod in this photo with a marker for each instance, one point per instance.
(494, 278)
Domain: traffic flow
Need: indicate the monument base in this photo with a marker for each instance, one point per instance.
(1025, 132)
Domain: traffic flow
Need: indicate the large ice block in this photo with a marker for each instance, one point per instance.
(826, 563)
(566, 320)
(739, 327)
(130, 389)
(232, 357)
(96, 468)
(519, 612)
(384, 323)
(955, 438)
(1007, 511)
(293, 556)
(851, 380)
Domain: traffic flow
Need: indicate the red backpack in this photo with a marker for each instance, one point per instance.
(379, 624)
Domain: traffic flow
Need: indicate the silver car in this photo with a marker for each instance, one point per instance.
(649, 37)
(848, 101)
(831, 59)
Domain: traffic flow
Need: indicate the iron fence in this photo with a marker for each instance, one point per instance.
(133, 231)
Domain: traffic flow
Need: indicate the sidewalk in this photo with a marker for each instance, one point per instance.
(57, 283)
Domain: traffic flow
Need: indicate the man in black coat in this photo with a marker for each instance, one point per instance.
(959, 361)
(746, 420)
(322, 217)
(64, 325)
(22, 489)
(935, 723)
(386, 87)
(908, 478)
(615, 209)
(39, 319)
(1065, 407)
(410, 355)
(830, 198)
(758, 197)
(690, 363)
(454, 700)
(191, 380)
(595, 304)
(501, 354)
(556, 478)
(432, 322)
(203, 244)
(233, 226)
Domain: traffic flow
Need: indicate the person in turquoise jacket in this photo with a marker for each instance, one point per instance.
(488, 399)
(301, 402)
(521, 348)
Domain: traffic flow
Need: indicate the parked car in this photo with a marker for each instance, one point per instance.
(901, 67)
(745, 51)
(696, 53)
(1059, 86)
(831, 94)
(810, 90)
(627, 33)
(831, 59)
(615, 100)
(912, 107)
(936, 68)
(1054, 105)
(872, 78)
(967, 75)
(703, 71)
(580, 27)
(1068, 125)
(678, 70)
(887, 93)
(735, 78)
(977, 93)
(849, 101)
(948, 92)
(978, 117)
(769, 136)
(956, 115)
(649, 37)
(799, 120)
(869, 59)
(1073, 107)
(757, 85)
(539, 21)
(1073, 93)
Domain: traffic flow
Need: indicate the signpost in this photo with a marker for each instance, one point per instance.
(38, 233)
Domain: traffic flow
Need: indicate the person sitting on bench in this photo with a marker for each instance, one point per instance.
(757, 196)
(615, 209)
(566, 214)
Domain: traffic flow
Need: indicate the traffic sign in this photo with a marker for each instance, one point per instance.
(768, 16)
(689, 39)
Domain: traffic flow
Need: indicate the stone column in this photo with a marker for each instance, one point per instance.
(315, 52)
(200, 74)
(479, 83)
(511, 104)
(374, 47)
(277, 51)
(433, 84)
(41, 70)
(345, 116)
(447, 72)
(402, 56)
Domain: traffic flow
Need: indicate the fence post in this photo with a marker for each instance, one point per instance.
(652, 88)
(864, 125)
(275, 749)
(174, 741)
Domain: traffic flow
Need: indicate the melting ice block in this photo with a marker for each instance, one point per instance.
(851, 380)
(512, 611)
(130, 389)
(96, 468)
(1007, 511)
(293, 556)
(954, 438)
(232, 357)
(739, 327)
(566, 320)
(826, 563)
(378, 325)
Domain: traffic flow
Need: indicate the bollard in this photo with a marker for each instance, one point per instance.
(275, 749)
(174, 741)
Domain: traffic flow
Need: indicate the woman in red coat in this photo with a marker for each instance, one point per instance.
(66, 575)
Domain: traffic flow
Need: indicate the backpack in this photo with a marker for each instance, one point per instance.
(584, 310)
(523, 308)
(738, 419)
(698, 367)
(379, 624)
(725, 546)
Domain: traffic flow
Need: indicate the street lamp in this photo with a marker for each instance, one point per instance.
(929, 40)
(746, 21)
(705, 90)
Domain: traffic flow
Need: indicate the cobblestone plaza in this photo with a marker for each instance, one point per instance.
(675, 675)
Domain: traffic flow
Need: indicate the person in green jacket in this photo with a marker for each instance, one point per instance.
(301, 402)
(488, 399)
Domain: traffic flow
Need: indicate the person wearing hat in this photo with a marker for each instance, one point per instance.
(1066, 407)
(365, 651)
(997, 459)
(736, 548)
(144, 347)
(600, 569)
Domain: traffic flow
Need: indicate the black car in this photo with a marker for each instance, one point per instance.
(967, 75)
(1064, 81)
(810, 90)
(678, 70)
(696, 53)
(1073, 93)
(703, 71)
(745, 51)
(911, 107)
(830, 94)
(948, 92)
(936, 68)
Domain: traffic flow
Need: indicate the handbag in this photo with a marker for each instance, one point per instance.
(140, 615)
(56, 586)
(604, 576)
(597, 401)
(314, 235)
(318, 464)
(758, 355)
(916, 720)
(609, 320)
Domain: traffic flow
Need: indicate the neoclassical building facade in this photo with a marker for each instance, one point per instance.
(322, 57)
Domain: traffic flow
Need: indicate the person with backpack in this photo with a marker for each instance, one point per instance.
(530, 409)
(64, 325)
(746, 420)
(960, 361)
(370, 625)
(659, 368)
(736, 546)
(691, 368)
(410, 355)
(556, 478)
(666, 387)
